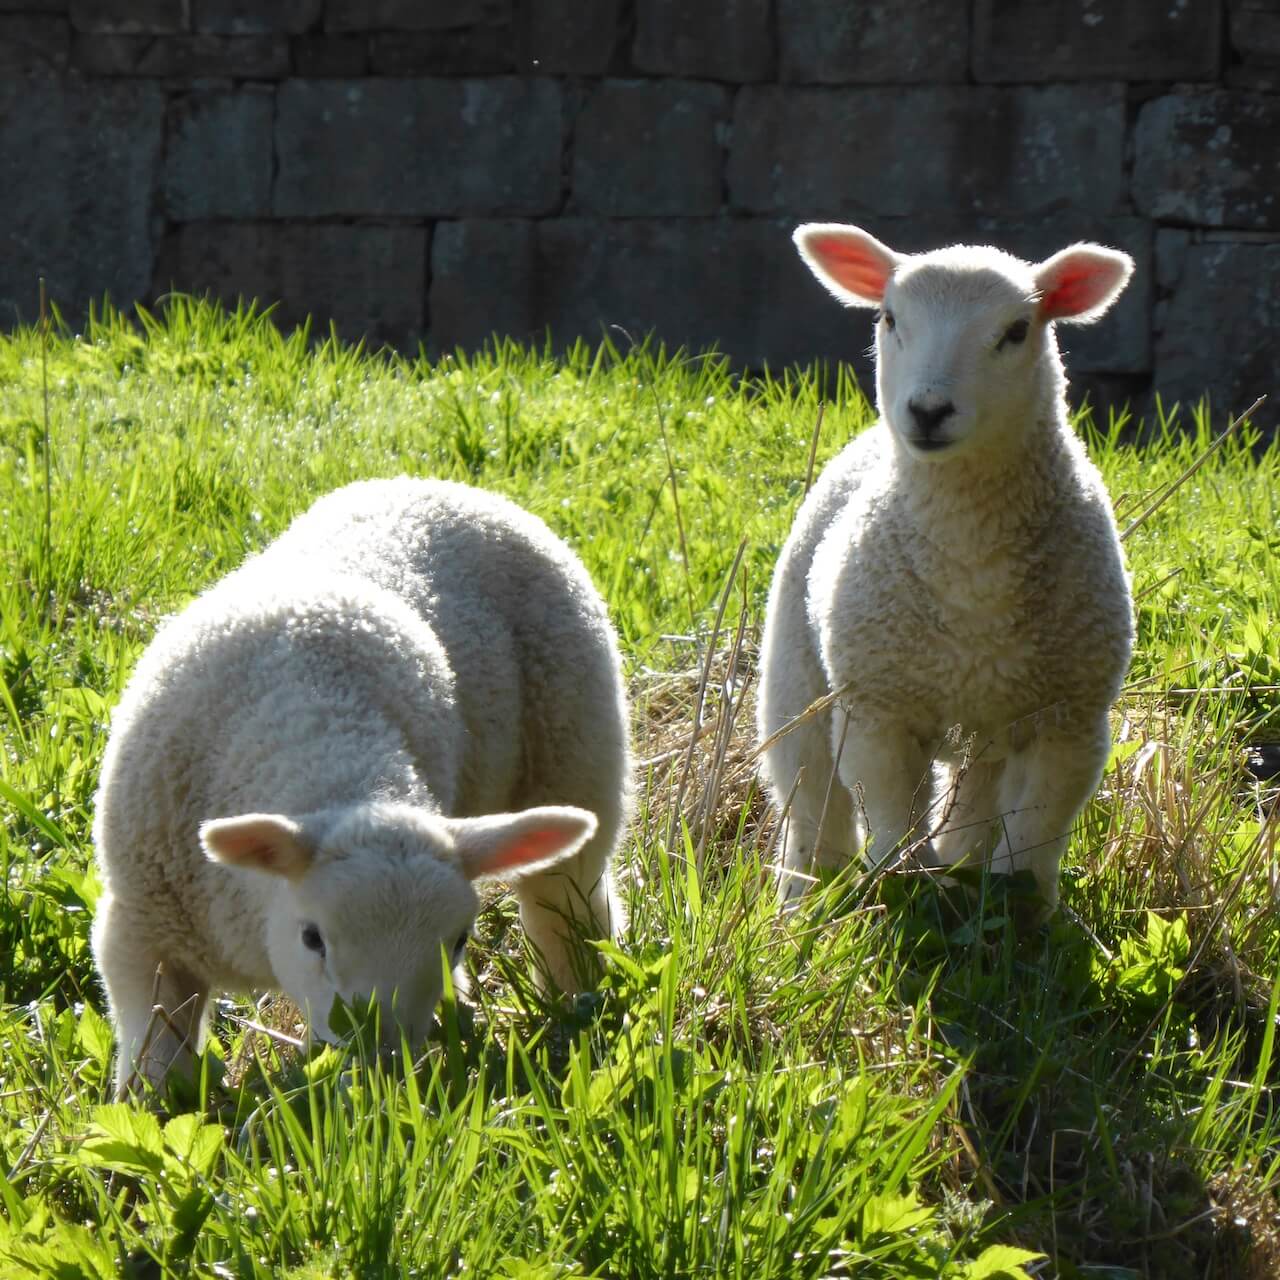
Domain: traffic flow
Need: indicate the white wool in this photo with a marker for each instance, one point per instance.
(295, 790)
(955, 574)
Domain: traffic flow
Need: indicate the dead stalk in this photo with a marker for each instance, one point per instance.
(813, 450)
(702, 696)
(1168, 492)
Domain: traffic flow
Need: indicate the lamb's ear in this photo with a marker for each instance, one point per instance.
(502, 843)
(853, 265)
(1081, 282)
(260, 841)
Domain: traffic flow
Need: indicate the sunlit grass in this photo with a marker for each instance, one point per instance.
(892, 1083)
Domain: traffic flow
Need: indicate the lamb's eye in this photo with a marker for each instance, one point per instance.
(459, 947)
(889, 322)
(1014, 334)
(312, 940)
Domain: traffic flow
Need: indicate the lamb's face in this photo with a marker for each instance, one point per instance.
(373, 919)
(373, 901)
(960, 351)
(965, 352)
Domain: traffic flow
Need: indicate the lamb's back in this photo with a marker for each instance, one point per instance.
(512, 606)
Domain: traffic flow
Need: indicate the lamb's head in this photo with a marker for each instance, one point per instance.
(362, 899)
(965, 351)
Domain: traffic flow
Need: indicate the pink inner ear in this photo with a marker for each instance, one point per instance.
(530, 846)
(252, 849)
(243, 846)
(1079, 287)
(263, 843)
(853, 265)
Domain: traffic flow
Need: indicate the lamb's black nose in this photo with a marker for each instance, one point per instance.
(928, 420)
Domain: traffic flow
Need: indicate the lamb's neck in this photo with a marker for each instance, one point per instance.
(985, 496)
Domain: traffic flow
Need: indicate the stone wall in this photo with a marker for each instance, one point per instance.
(440, 170)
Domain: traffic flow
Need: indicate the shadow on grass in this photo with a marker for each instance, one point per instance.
(1088, 1072)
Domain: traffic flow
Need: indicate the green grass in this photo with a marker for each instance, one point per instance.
(892, 1083)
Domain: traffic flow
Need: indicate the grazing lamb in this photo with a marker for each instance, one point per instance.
(955, 576)
(313, 762)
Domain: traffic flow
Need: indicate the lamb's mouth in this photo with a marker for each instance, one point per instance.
(929, 444)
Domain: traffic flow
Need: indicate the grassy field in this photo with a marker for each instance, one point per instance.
(892, 1083)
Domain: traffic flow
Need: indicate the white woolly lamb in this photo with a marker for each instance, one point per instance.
(314, 760)
(955, 575)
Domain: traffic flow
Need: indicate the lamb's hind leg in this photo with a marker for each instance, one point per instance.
(798, 766)
(579, 754)
(157, 1004)
(818, 822)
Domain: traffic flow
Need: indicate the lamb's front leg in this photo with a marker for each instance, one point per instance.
(888, 774)
(140, 981)
(965, 816)
(1042, 790)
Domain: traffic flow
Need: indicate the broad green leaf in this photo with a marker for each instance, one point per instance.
(1001, 1262)
(188, 1218)
(193, 1142)
(124, 1137)
(69, 1252)
(95, 1036)
(891, 1214)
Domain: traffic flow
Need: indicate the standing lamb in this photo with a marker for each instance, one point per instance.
(955, 576)
(313, 762)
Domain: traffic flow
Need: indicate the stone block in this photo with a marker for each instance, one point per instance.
(1171, 256)
(812, 153)
(33, 42)
(1219, 330)
(1209, 159)
(369, 281)
(417, 147)
(326, 56)
(1253, 77)
(412, 15)
(182, 57)
(1255, 35)
(131, 17)
(698, 283)
(466, 51)
(218, 155)
(79, 164)
(650, 148)
(875, 42)
(254, 18)
(1086, 40)
(570, 37)
(107, 55)
(482, 283)
(712, 39)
